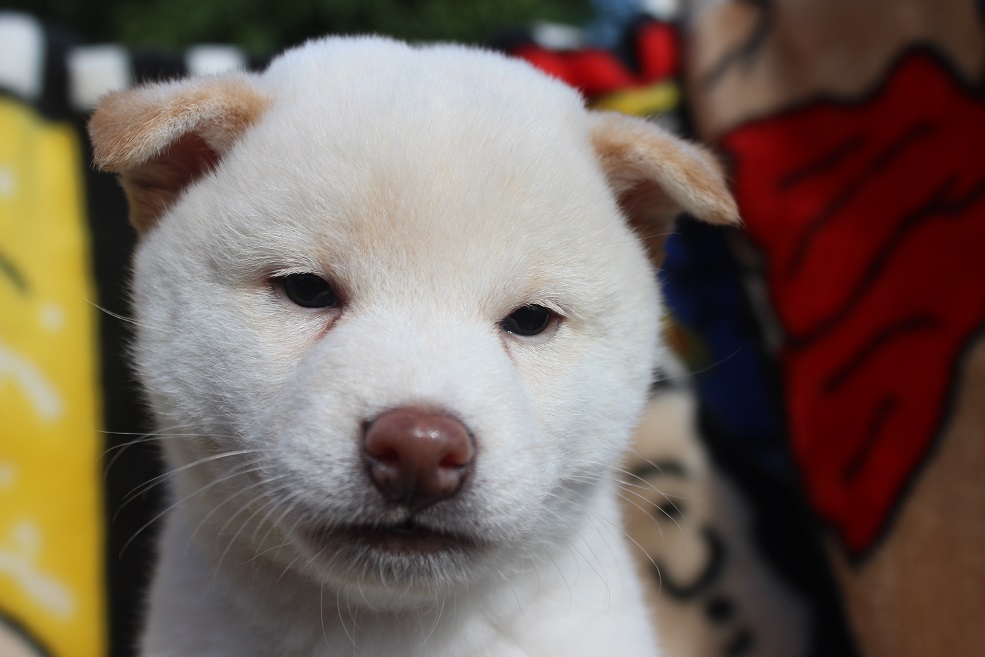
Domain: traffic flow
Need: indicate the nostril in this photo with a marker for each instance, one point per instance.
(458, 454)
(452, 461)
(386, 454)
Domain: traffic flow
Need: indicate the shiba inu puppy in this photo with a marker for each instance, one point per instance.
(397, 320)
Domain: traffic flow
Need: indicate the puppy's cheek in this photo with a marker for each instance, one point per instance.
(312, 427)
(215, 351)
(250, 370)
(590, 395)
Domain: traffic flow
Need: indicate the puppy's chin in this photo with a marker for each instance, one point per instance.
(396, 562)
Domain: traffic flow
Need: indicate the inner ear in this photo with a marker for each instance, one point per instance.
(151, 188)
(651, 214)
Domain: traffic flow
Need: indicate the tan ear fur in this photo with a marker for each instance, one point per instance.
(162, 137)
(656, 176)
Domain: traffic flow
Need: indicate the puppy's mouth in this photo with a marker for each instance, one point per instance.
(408, 538)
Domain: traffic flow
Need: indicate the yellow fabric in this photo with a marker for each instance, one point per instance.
(646, 101)
(51, 521)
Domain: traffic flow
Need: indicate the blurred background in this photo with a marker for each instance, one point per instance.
(806, 481)
(250, 24)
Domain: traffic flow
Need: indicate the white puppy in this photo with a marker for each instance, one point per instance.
(394, 305)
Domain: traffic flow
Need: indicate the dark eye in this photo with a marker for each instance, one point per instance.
(309, 291)
(528, 320)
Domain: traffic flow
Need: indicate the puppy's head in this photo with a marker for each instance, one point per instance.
(399, 300)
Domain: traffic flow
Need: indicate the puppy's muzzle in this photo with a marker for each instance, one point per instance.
(417, 457)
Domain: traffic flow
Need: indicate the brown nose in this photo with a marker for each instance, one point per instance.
(417, 457)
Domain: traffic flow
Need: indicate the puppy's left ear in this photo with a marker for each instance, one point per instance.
(656, 176)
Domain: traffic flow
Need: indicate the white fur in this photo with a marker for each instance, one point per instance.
(441, 188)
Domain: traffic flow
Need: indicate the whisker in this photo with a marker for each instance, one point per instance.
(645, 513)
(687, 375)
(634, 542)
(268, 550)
(437, 620)
(122, 318)
(242, 526)
(629, 485)
(321, 615)
(287, 510)
(653, 236)
(574, 549)
(287, 568)
(623, 486)
(143, 438)
(245, 469)
(161, 478)
(338, 607)
(174, 506)
(272, 504)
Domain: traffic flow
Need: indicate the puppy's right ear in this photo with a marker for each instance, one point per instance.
(162, 137)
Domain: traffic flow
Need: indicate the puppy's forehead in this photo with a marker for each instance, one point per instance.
(355, 72)
(435, 154)
(387, 114)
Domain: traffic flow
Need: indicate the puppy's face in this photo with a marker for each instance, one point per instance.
(393, 298)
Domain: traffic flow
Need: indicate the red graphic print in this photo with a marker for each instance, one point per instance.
(872, 217)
